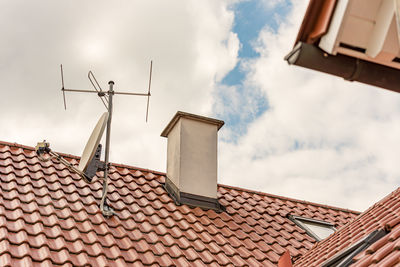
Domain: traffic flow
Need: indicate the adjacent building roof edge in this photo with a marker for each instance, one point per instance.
(350, 68)
(382, 216)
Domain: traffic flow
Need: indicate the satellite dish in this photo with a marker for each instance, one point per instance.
(93, 142)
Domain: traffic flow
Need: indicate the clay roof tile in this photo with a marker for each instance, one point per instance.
(49, 216)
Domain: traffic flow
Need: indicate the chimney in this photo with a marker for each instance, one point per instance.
(192, 160)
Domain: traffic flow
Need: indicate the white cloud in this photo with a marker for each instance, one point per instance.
(323, 139)
(190, 42)
(271, 3)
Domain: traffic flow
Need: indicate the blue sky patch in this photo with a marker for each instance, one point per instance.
(250, 18)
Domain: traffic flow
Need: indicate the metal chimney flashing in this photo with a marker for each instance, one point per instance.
(192, 200)
(181, 114)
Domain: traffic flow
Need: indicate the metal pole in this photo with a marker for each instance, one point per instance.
(110, 107)
(103, 206)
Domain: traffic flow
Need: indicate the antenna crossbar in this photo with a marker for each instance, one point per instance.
(126, 93)
(79, 91)
(104, 92)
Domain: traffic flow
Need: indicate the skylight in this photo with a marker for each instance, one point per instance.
(317, 229)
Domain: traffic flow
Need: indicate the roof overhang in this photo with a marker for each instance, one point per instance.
(351, 39)
(350, 68)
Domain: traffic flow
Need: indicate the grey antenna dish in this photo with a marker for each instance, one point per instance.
(90, 161)
(93, 143)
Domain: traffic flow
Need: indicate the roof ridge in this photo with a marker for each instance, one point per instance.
(77, 157)
(222, 185)
(33, 149)
(290, 199)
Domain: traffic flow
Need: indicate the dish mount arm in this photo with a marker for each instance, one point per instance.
(95, 165)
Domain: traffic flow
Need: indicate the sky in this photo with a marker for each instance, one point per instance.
(288, 131)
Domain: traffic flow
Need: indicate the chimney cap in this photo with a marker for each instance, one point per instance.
(181, 114)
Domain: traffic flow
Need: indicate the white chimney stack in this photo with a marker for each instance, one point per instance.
(192, 159)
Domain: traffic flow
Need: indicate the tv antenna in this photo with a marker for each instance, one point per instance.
(90, 160)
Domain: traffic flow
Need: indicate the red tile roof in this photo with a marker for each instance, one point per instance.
(50, 216)
(383, 215)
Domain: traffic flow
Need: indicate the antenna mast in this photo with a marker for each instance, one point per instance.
(107, 99)
(107, 210)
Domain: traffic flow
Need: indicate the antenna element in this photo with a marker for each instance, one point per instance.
(148, 92)
(62, 88)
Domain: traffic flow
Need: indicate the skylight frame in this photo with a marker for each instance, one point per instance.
(345, 257)
(302, 223)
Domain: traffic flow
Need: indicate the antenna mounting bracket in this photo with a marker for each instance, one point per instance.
(95, 165)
